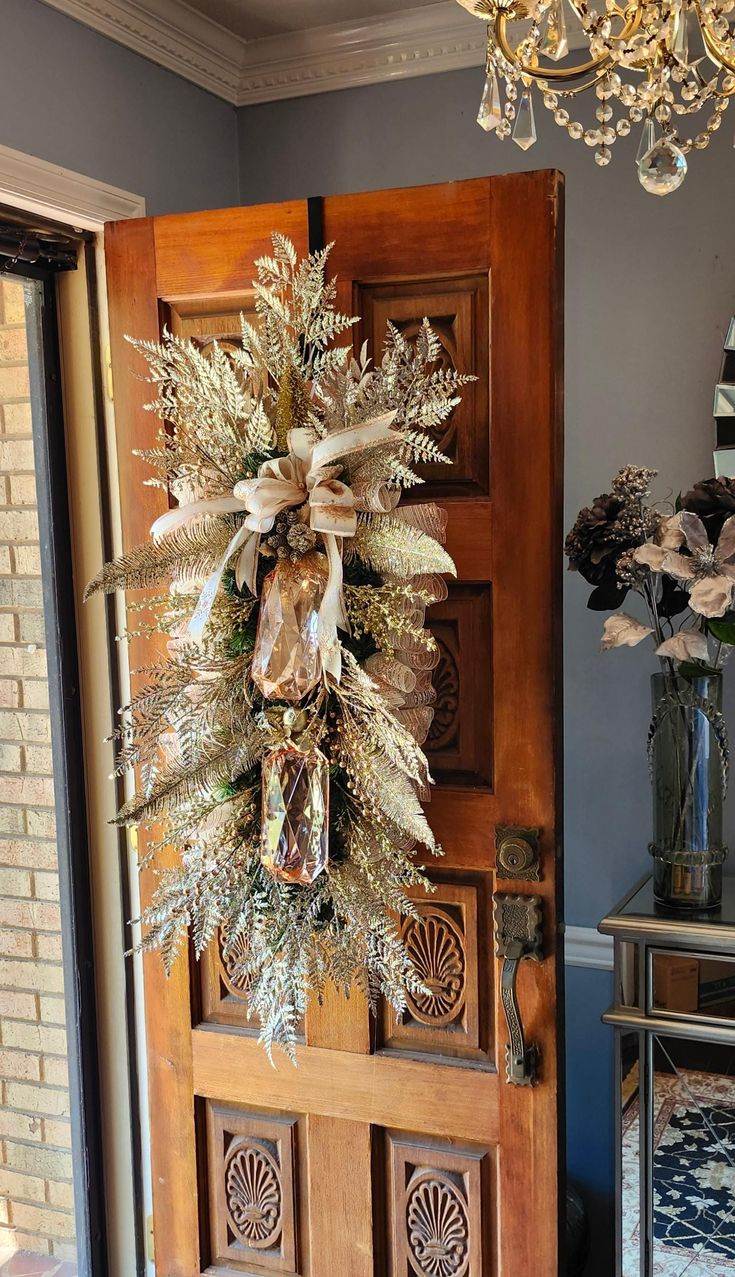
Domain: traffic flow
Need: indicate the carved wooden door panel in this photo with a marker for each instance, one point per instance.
(396, 1148)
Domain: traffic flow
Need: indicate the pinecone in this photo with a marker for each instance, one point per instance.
(290, 538)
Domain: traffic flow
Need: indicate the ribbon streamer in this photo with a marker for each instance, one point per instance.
(307, 477)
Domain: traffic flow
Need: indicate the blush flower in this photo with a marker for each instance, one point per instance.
(621, 630)
(706, 570)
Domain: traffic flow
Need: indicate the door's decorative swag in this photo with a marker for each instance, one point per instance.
(277, 745)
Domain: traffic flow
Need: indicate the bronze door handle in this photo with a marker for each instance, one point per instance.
(517, 936)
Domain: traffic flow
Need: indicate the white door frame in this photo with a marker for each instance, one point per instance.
(36, 186)
(52, 191)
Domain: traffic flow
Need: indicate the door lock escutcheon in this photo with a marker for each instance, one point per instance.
(517, 853)
(518, 935)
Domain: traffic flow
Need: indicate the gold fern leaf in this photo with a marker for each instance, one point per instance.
(195, 549)
(178, 784)
(388, 545)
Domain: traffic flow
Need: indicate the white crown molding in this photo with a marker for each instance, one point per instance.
(437, 37)
(169, 33)
(585, 947)
(39, 187)
(395, 46)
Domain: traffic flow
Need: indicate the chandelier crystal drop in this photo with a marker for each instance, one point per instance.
(667, 65)
(295, 825)
(663, 168)
(490, 113)
(555, 44)
(524, 131)
(286, 661)
(648, 138)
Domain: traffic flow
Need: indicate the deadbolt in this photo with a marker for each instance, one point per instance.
(517, 853)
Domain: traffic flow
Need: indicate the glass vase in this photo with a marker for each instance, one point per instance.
(688, 755)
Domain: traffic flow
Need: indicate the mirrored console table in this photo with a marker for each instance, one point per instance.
(674, 1020)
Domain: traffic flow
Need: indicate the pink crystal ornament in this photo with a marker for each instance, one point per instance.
(286, 659)
(295, 824)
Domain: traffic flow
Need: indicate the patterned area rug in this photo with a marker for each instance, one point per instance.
(693, 1176)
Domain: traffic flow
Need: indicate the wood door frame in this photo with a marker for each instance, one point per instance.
(144, 269)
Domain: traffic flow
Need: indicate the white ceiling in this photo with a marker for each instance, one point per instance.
(249, 51)
(253, 19)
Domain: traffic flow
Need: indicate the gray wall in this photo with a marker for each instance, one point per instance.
(650, 288)
(70, 96)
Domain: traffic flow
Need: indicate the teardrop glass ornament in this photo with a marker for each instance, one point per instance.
(555, 44)
(663, 169)
(295, 820)
(524, 133)
(648, 138)
(490, 113)
(286, 658)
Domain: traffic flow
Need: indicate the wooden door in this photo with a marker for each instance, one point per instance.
(394, 1149)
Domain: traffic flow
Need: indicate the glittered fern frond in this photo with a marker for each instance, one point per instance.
(179, 785)
(390, 546)
(214, 414)
(421, 448)
(278, 753)
(195, 550)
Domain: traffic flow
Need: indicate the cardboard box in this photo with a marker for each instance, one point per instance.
(675, 982)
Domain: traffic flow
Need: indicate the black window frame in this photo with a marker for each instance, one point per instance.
(67, 743)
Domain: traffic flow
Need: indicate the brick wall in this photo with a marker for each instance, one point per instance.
(36, 1204)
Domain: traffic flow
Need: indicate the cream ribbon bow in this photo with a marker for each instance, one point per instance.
(307, 474)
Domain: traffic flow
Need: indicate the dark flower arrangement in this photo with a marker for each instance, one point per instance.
(680, 561)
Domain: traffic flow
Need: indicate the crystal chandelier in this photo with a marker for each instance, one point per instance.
(654, 64)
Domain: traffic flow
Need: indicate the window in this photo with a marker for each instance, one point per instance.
(51, 1218)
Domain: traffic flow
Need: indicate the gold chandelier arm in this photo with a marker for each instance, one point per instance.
(633, 16)
(715, 49)
(581, 88)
